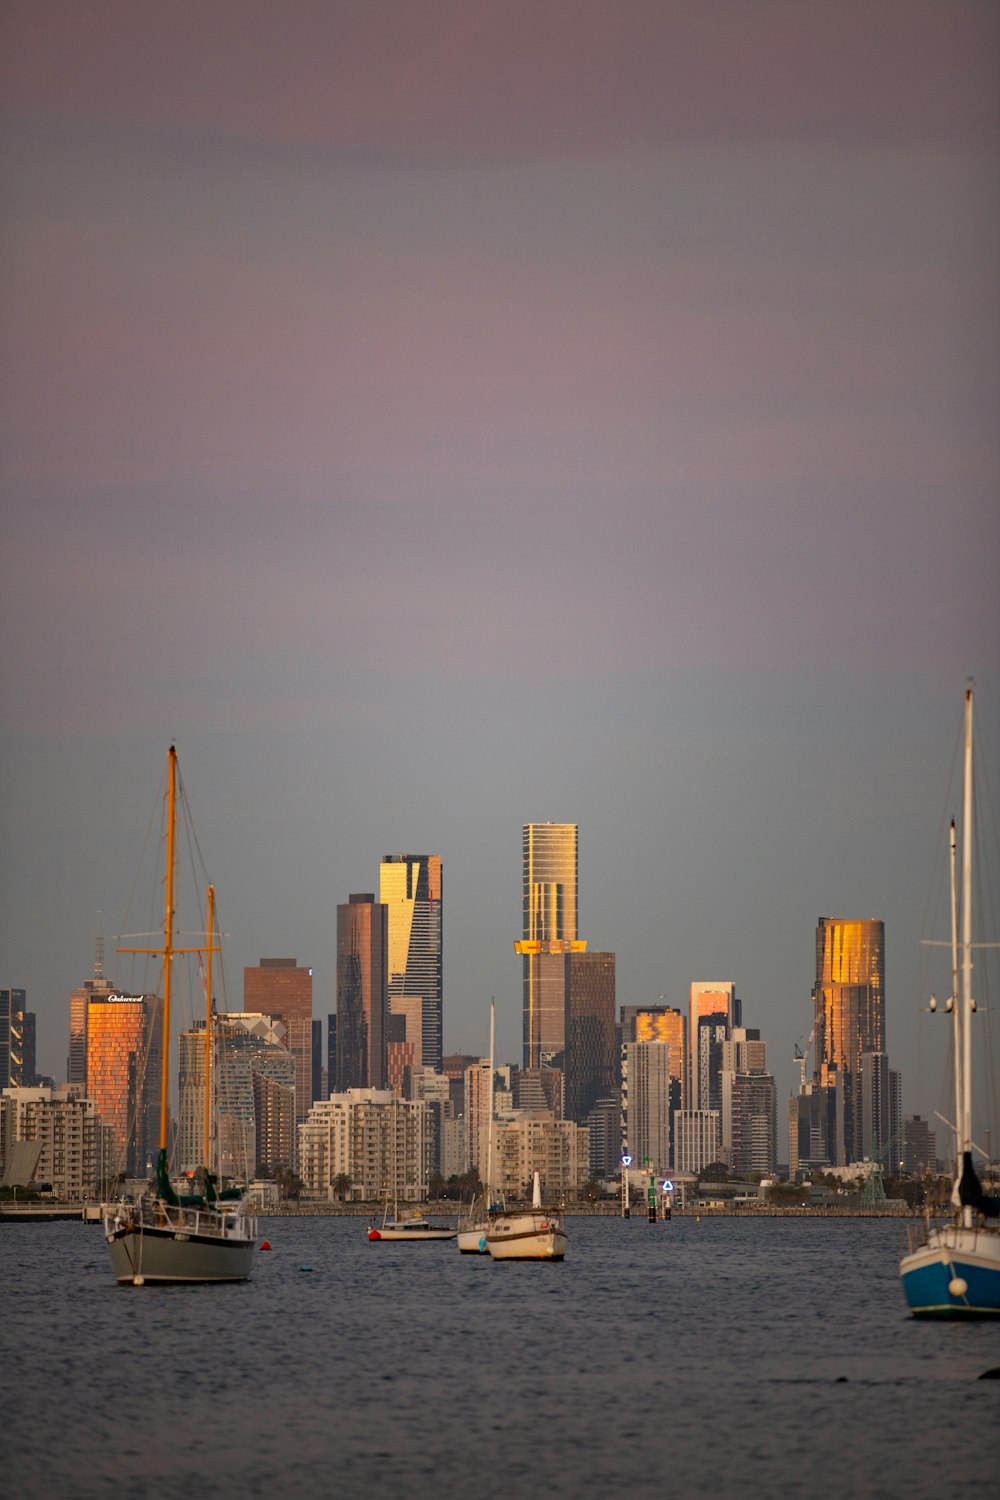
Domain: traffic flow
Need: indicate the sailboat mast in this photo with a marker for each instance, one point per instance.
(168, 947)
(489, 1117)
(956, 1004)
(965, 1103)
(210, 933)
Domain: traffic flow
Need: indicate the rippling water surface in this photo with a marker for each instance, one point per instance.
(770, 1357)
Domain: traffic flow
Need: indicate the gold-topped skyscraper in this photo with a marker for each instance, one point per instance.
(549, 873)
(849, 1012)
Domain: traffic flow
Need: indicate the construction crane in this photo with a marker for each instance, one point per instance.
(801, 1055)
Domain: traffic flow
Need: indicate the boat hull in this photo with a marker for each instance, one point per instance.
(955, 1274)
(534, 1236)
(473, 1241)
(415, 1233)
(144, 1253)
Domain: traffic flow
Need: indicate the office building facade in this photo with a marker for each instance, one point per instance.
(591, 1058)
(362, 993)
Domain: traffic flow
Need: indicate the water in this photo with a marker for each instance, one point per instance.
(772, 1357)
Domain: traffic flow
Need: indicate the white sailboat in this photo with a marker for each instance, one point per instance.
(164, 1237)
(953, 1270)
(472, 1236)
(535, 1235)
(411, 1226)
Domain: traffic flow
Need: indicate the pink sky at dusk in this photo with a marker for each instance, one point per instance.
(512, 401)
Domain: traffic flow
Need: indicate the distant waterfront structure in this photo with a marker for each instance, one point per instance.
(849, 1016)
(124, 1075)
(362, 993)
(283, 989)
(549, 878)
(410, 888)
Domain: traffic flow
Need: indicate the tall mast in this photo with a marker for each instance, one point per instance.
(489, 1119)
(965, 1104)
(956, 1006)
(210, 934)
(168, 947)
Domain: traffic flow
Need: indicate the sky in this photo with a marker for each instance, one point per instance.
(439, 417)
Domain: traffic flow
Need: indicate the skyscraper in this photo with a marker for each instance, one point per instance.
(123, 1075)
(14, 1061)
(849, 1012)
(362, 993)
(650, 1099)
(76, 1061)
(410, 889)
(549, 869)
(281, 989)
(713, 1010)
(255, 1084)
(590, 1059)
(659, 1023)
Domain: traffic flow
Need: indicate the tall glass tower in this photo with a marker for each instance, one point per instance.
(549, 869)
(549, 873)
(362, 993)
(849, 1013)
(410, 890)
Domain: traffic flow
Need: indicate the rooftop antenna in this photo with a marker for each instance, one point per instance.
(99, 950)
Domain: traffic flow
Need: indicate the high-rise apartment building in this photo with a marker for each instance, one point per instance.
(281, 989)
(362, 993)
(410, 890)
(659, 1023)
(383, 1144)
(124, 1075)
(696, 1139)
(713, 1009)
(919, 1152)
(749, 1105)
(68, 1132)
(650, 1100)
(849, 1013)
(549, 873)
(255, 1082)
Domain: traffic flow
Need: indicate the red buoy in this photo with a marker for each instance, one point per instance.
(373, 1234)
(266, 1245)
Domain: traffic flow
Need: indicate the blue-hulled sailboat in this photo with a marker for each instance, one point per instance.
(953, 1270)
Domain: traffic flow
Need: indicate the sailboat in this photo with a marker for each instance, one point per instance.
(472, 1236)
(953, 1270)
(412, 1226)
(165, 1237)
(536, 1235)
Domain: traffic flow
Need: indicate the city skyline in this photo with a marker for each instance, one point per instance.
(462, 416)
